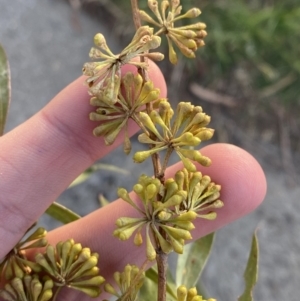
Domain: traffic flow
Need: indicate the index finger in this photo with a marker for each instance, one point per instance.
(40, 158)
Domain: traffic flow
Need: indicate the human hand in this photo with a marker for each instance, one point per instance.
(40, 158)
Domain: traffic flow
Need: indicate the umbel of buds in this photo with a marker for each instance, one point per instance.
(30, 288)
(68, 264)
(183, 294)
(187, 130)
(128, 283)
(168, 210)
(187, 38)
(15, 263)
(104, 75)
(114, 116)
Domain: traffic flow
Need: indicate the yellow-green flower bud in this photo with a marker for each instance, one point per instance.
(174, 200)
(205, 134)
(94, 281)
(141, 156)
(187, 225)
(181, 293)
(151, 191)
(150, 251)
(186, 216)
(209, 216)
(164, 216)
(145, 17)
(148, 123)
(92, 291)
(125, 221)
(99, 40)
(192, 13)
(177, 233)
(138, 239)
(110, 289)
(218, 204)
(172, 53)
(188, 164)
(154, 56)
(125, 233)
(192, 292)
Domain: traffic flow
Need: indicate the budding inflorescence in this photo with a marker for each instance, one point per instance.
(183, 294)
(15, 263)
(30, 288)
(187, 130)
(187, 38)
(104, 76)
(168, 210)
(128, 282)
(202, 195)
(69, 264)
(129, 103)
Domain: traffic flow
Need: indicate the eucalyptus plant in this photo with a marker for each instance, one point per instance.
(167, 207)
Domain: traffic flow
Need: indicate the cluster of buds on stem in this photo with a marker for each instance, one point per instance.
(183, 294)
(71, 265)
(187, 130)
(187, 38)
(104, 76)
(168, 210)
(128, 282)
(30, 288)
(132, 99)
(15, 263)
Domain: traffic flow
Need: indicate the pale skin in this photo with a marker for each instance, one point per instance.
(41, 157)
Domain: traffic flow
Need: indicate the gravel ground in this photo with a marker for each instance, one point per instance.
(46, 52)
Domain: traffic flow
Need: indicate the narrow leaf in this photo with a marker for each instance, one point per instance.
(250, 274)
(62, 213)
(103, 200)
(148, 291)
(4, 89)
(87, 173)
(191, 263)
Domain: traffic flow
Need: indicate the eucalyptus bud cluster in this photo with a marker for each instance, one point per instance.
(183, 294)
(128, 283)
(187, 38)
(114, 116)
(166, 227)
(186, 130)
(69, 264)
(16, 263)
(104, 75)
(202, 195)
(29, 288)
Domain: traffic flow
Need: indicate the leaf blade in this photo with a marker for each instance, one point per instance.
(192, 262)
(5, 95)
(251, 271)
(148, 291)
(62, 213)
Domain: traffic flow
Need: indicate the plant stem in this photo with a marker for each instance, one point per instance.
(135, 13)
(143, 72)
(56, 293)
(161, 257)
(162, 265)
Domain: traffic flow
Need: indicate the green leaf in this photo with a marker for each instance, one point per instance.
(4, 89)
(191, 263)
(250, 274)
(103, 200)
(148, 291)
(87, 173)
(62, 213)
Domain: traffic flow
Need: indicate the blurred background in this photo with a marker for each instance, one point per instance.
(247, 78)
